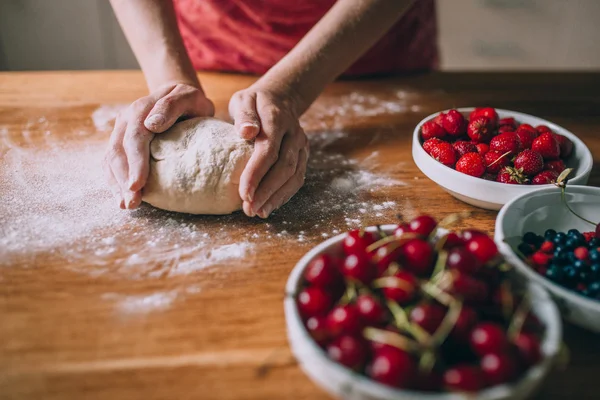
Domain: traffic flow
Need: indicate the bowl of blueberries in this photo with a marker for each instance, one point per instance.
(552, 236)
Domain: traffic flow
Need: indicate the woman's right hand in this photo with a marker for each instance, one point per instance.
(127, 160)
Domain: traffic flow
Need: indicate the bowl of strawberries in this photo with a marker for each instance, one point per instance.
(414, 311)
(486, 157)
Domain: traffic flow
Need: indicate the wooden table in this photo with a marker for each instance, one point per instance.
(64, 334)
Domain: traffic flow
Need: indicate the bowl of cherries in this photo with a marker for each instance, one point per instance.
(486, 157)
(415, 311)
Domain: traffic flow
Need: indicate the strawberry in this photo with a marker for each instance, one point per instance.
(463, 147)
(487, 112)
(428, 145)
(529, 162)
(480, 129)
(526, 137)
(444, 153)
(506, 128)
(542, 129)
(509, 122)
(495, 161)
(430, 130)
(527, 127)
(454, 123)
(565, 144)
(471, 164)
(482, 148)
(511, 176)
(506, 142)
(439, 119)
(545, 177)
(547, 145)
(556, 165)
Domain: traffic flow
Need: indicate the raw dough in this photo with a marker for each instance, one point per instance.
(195, 167)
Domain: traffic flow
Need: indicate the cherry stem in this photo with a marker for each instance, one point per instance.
(564, 199)
(391, 282)
(381, 231)
(427, 361)
(506, 299)
(391, 339)
(440, 265)
(453, 219)
(437, 293)
(399, 314)
(391, 269)
(518, 320)
(350, 294)
(391, 239)
(448, 323)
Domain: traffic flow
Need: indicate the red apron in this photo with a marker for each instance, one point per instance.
(252, 35)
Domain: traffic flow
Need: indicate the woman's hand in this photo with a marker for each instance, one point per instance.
(277, 167)
(126, 163)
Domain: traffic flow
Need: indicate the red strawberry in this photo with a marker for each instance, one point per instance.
(428, 145)
(547, 145)
(495, 161)
(545, 177)
(454, 123)
(487, 112)
(556, 165)
(506, 142)
(444, 153)
(542, 129)
(471, 164)
(529, 162)
(480, 129)
(510, 121)
(527, 127)
(511, 176)
(463, 147)
(565, 144)
(482, 148)
(506, 128)
(439, 119)
(430, 130)
(526, 138)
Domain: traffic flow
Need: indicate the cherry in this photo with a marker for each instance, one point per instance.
(385, 255)
(428, 316)
(323, 271)
(401, 230)
(313, 301)
(469, 288)
(463, 260)
(453, 240)
(370, 309)
(317, 328)
(404, 289)
(348, 350)
(463, 378)
(488, 337)
(498, 368)
(464, 324)
(393, 367)
(344, 319)
(483, 247)
(528, 348)
(357, 241)
(469, 234)
(358, 267)
(417, 255)
(423, 225)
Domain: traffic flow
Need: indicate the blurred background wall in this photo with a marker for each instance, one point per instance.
(474, 35)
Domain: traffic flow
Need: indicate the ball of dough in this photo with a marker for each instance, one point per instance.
(195, 167)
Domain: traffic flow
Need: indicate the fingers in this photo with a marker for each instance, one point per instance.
(113, 185)
(115, 163)
(242, 109)
(285, 193)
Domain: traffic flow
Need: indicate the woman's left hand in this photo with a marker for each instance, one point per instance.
(277, 167)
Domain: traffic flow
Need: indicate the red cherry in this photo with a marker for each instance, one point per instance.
(323, 271)
(464, 324)
(498, 368)
(370, 309)
(488, 337)
(428, 316)
(469, 288)
(404, 290)
(385, 255)
(463, 378)
(423, 225)
(453, 240)
(483, 248)
(417, 256)
(461, 259)
(393, 367)
(357, 241)
(349, 351)
(313, 301)
(358, 267)
(528, 348)
(344, 319)
(317, 327)
(470, 234)
(401, 230)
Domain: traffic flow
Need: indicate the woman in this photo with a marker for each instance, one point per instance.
(297, 48)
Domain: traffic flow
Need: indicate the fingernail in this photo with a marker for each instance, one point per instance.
(265, 211)
(132, 182)
(156, 120)
(249, 125)
(128, 200)
(120, 202)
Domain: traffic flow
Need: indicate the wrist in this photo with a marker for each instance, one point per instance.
(285, 89)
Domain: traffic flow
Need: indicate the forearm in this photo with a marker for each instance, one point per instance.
(151, 29)
(347, 31)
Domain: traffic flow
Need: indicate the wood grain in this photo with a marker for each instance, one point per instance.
(61, 339)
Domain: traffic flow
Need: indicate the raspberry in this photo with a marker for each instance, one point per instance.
(547, 247)
(582, 253)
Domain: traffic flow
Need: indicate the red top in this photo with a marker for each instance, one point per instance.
(252, 35)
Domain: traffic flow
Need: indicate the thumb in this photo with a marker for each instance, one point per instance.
(245, 117)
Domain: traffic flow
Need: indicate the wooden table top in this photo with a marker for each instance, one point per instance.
(148, 305)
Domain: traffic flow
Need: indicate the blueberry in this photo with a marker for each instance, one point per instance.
(595, 270)
(530, 238)
(570, 273)
(579, 265)
(559, 250)
(594, 289)
(550, 234)
(526, 249)
(555, 273)
(571, 243)
(573, 232)
(584, 276)
(594, 255)
(595, 242)
(560, 237)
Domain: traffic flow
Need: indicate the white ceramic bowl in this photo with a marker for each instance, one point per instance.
(344, 383)
(542, 210)
(493, 195)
